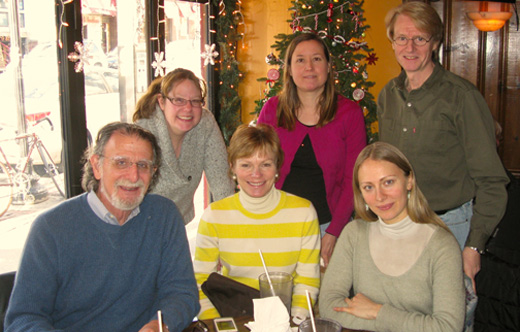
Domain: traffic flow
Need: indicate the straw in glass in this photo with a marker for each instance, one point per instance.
(266, 272)
(311, 314)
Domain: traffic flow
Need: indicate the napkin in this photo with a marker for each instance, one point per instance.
(270, 316)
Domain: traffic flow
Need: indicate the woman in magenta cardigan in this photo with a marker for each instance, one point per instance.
(321, 133)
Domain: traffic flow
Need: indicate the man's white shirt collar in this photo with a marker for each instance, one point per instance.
(102, 212)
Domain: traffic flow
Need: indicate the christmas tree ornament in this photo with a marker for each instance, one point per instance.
(372, 58)
(358, 94)
(329, 13)
(338, 39)
(322, 34)
(270, 59)
(273, 74)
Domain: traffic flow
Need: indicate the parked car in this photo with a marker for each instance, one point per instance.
(113, 58)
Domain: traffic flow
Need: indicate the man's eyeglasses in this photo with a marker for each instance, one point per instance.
(417, 40)
(182, 102)
(200, 326)
(123, 163)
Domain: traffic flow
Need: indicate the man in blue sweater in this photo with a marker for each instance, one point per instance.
(109, 259)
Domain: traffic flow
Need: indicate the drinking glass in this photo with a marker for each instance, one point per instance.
(282, 285)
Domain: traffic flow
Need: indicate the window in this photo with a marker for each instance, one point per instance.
(117, 73)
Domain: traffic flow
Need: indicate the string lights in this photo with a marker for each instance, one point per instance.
(62, 22)
(229, 32)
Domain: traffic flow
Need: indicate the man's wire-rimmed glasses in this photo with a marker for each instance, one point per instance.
(177, 101)
(417, 40)
(123, 163)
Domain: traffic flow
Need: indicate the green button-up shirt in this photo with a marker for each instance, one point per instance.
(446, 130)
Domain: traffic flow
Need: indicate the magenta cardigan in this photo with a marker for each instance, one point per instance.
(336, 145)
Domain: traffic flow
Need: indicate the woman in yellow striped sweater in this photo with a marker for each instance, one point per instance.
(259, 216)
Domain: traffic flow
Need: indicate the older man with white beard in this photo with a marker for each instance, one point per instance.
(109, 259)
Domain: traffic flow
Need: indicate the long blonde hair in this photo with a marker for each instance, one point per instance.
(289, 102)
(417, 205)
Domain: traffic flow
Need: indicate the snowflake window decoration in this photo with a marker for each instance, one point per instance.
(209, 55)
(159, 64)
(81, 57)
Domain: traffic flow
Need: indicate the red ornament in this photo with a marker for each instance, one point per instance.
(329, 13)
(372, 58)
(273, 74)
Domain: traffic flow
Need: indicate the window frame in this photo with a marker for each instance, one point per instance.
(72, 86)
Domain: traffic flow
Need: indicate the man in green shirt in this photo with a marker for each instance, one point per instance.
(443, 125)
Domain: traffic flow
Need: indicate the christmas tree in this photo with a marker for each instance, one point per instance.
(341, 24)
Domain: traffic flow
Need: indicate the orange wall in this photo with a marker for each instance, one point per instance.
(266, 18)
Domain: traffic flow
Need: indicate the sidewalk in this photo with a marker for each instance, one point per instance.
(16, 223)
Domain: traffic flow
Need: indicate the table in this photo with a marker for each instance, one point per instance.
(240, 321)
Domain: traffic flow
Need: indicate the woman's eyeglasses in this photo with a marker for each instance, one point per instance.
(182, 102)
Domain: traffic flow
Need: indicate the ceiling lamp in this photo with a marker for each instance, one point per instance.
(489, 15)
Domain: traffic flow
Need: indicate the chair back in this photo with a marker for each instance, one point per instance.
(6, 286)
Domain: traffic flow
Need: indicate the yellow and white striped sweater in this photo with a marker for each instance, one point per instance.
(288, 236)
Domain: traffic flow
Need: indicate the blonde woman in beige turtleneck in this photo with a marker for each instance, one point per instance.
(402, 263)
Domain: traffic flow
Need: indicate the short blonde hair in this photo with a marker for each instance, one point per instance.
(247, 140)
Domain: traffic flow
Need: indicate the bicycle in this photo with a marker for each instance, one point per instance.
(15, 180)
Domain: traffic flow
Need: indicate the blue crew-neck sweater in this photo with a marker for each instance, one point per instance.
(79, 273)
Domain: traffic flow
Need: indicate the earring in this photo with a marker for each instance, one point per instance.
(234, 177)
(276, 176)
(408, 194)
(366, 207)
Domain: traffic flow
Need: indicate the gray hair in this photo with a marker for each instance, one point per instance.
(88, 180)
